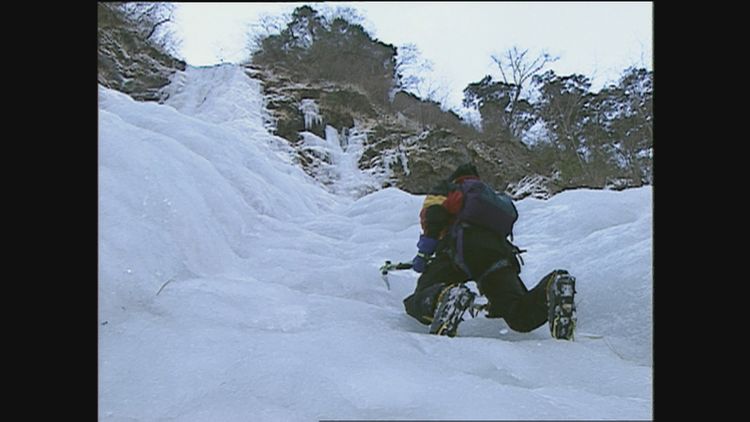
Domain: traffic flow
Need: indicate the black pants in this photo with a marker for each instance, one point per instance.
(523, 310)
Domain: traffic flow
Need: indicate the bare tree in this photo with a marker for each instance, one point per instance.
(517, 68)
(265, 26)
(411, 68)
(154, 21)
(437, 92)
(414, 75)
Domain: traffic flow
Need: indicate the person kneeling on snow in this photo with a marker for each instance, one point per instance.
(465, 229)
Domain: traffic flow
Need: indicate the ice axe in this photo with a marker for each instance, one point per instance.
(388, 266)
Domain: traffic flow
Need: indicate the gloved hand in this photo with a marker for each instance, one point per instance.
(419, 263)
(426, 246)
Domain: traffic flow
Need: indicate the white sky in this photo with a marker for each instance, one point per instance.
(597, 39)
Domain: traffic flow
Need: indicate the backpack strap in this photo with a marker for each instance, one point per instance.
(457, 231)
(500, 264)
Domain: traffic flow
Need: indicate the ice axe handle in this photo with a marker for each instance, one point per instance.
(388, 266)
(399, 266)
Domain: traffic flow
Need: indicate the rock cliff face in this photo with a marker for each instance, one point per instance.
(127, 62)
(411, 142)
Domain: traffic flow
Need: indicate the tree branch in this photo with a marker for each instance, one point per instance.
(156, 25)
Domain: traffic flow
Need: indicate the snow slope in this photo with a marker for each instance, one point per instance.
(233, 287)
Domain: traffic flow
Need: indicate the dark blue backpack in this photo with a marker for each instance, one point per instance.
(482, 207)
(486, 208)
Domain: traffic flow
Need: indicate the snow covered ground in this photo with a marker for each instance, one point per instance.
(233, 287)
